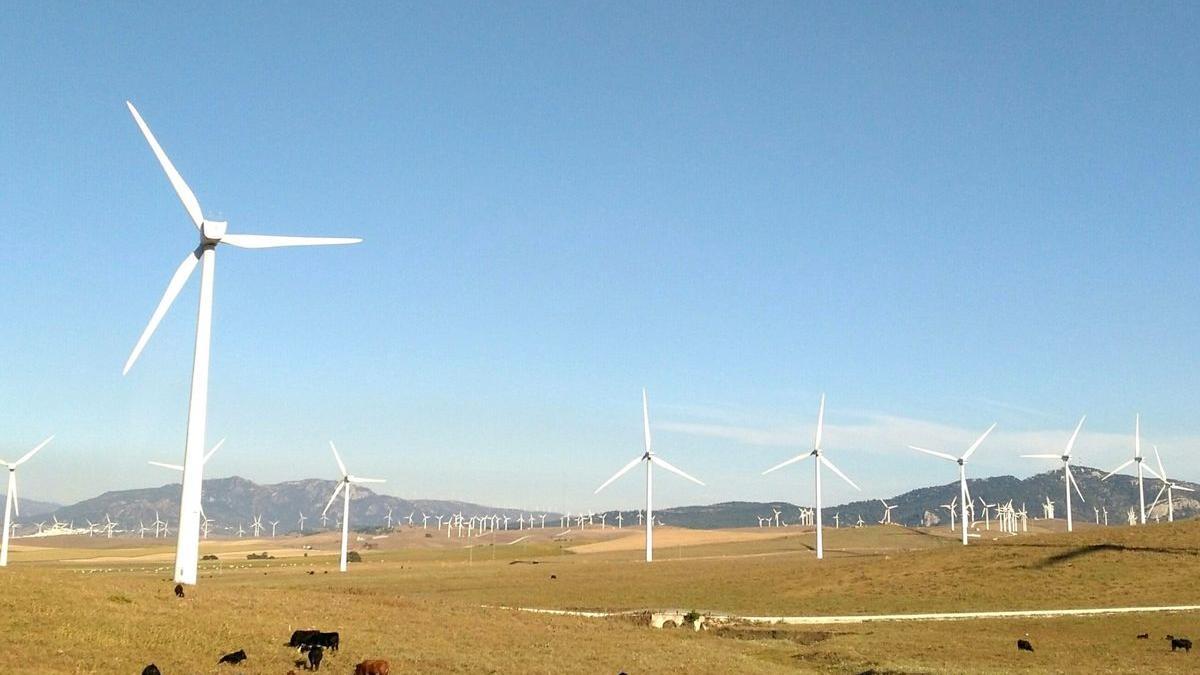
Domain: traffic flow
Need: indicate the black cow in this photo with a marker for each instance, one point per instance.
(1180, 643)
(315, 654)
(326, 640)
(1024, 645)
(179, 590)
(151, 670)
(301, 637)
(234, 658)
(1144, 636)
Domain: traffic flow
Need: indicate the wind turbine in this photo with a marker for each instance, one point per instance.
(1068, 478)
(257, 525)
(273, 524)
(962, 474)
(887, 513)
(1137, 457)
(651, 460)
(212, 233)
(389, 517)
(344, 485)
(302, 519)
(1169, 487)
(10, 500)
(818, 459)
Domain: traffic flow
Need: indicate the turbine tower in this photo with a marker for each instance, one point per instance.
(212, 233)
(1137, 458)
(818, 459)
(1068, 478)
(962, 475)
(10, 500)
(651, 460)
(344, 485)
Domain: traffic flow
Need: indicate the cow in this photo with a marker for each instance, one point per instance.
(372, 667)
(1180, 643)
(1024, 645)
(315, 654)
(1144, 636)
(233, 658)
(179, 590)
(326, 640)
(151, 670)
(301, 637)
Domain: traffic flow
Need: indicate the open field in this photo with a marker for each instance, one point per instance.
(426, 603)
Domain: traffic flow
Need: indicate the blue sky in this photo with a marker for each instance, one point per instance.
(943, 215)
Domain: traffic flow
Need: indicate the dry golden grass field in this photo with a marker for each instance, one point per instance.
(431, 605)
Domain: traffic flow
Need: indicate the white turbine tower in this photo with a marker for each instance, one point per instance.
(962, 474)
(1068, 477)
(10, 500)
(818, 459)
(212, 233)
(344, 485)
(1169, 486)
(1137, 457)
(651, 460)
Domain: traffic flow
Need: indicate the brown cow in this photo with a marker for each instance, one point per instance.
(373, 667)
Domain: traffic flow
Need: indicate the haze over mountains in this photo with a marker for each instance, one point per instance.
(233, 501)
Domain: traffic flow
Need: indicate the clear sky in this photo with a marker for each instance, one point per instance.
(941, 214)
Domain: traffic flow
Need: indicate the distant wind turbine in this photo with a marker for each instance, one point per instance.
(10, 500)
(962, 474)
(1137, 458)
(212, 233)
(1068, 478)
(651, 460)
(818, 459)
(344, 485)
(1169, 486)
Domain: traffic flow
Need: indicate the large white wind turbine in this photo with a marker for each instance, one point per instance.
(964, 494)
(651, 460)
(212, 233)
(10, 499)
(1068, 478)
(1169, 486)
(817, 453)
(1137, 458)
(344, 484)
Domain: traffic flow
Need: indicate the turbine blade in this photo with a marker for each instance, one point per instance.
(1137, 435)
(16, 504)
(838, 471)
(164, 465)
(820, 424)
(674, 469)
(277, 241)
(646, 418)
(1153, 472)
(336, 456)
(1110, 473)
(214, 450)
(189, 200)
(1071, 443)
(340, 485)
(31, 453)
(1180, 487)
(978, 442)
(1071, 477)
(1158, 459)
(935, 453)
(356, 479)
(625, 469)
(793, 460)
(182, 274)
(1158, 496)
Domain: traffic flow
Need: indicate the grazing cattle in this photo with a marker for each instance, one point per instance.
(151, 670)
(1180, 643)
(1024, 645)
(1144, 636)
(315, 654)
(302, 637)
(179, 590)
(372, 667)
(326, 640)
(234, 658)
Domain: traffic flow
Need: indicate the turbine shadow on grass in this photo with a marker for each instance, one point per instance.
(1072, 554)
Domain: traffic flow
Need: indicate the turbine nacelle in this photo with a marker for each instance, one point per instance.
(213, 230)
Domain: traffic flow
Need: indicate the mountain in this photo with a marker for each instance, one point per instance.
(233, 501)
(1115, 494)
(31, 507)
